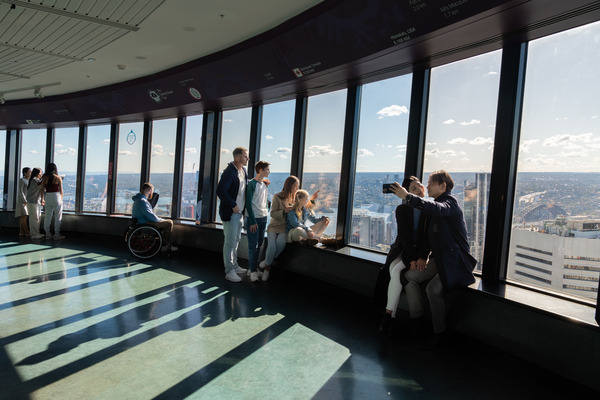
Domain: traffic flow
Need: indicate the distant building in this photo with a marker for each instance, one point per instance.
(561, 263)
(475, 211)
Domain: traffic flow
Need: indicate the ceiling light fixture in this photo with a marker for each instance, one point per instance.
(37, 92)
(2, 101)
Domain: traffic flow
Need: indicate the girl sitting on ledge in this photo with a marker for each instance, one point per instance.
(296, 227)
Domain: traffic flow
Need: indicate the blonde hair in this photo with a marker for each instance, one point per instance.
(300, 195)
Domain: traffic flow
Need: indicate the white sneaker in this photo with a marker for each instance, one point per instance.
(262, 264)
(253, 277)
(233, 276)
(240, 270)
(265, 275)
(37, 236)
(166, 248)
(258, 271)
(58, 237)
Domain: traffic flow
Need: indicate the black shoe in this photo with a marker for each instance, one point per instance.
(386, 322)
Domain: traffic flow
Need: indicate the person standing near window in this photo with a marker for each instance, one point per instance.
(34, 195)
(231, 190)
(52, 195)
(20, 209)
(257, 211)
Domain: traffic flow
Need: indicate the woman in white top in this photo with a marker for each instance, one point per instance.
(34, 209)
(20, 210)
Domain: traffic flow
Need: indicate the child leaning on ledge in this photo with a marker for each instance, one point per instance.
(296, 227)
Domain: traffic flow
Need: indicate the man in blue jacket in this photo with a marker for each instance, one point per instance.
(449, 249)
(231, 190)
(142, 211)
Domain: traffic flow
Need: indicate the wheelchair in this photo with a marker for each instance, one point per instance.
(143, 241)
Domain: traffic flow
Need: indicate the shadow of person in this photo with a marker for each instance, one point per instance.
(219, 306)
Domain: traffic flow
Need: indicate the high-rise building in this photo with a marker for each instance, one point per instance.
(475, 212)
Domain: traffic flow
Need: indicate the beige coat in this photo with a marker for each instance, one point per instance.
(20, 209)
(278, 214)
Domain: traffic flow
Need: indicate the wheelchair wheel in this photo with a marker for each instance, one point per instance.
(144, 241)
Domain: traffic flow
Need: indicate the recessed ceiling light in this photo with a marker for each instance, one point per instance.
(91, 59)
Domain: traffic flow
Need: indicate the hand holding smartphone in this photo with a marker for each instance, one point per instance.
(387, 187)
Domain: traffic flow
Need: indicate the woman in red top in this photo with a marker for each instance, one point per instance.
(52, 195)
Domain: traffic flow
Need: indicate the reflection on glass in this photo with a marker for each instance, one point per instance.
(2, 161)
(555, 239)
(380, 159)
(460, 135)
(66, 143)
(276, 142)
(162, 163)
(33, 149)
(235, 132)
(191, 167)
(323, 152)
(96, 168)
(129, 165)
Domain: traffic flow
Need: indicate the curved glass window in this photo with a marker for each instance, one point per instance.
(191, 167)
(66, 143)
(96, 168)
(555, 239)
(325, 118)
(33, 149)
(129, 165)
(162, 163)
(382, 136)
(461, 125)
(2, 162)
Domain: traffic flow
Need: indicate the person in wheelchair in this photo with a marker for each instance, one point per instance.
(142, 211)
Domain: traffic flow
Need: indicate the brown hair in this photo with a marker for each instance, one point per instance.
(147, 186)
(440, 176)
(286, 192)
(261, 165)
(239, 150)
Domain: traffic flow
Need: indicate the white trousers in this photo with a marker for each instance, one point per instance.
(395, 286)
(53, 206)
(35, 215)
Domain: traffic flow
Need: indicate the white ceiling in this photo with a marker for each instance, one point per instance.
(65, 46)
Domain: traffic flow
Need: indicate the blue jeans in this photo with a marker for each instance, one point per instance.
(255, 240)
(233, 233)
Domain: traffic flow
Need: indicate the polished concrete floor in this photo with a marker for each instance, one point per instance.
(82, 319)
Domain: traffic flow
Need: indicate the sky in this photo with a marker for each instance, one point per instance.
(560, 127)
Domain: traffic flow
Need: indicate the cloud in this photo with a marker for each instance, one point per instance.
(317, 150)
(106, 141)
(33, 151)
(283, 150)
(364, 153)
(392, 111)
(471, 122)
(227, 120)
(491, 73)
(525, 146)
(449, 121)
(268, 137)
(158, 146)
(450, 153)
(571, 142)
(69, 152)
(458, 140)
(58, 146)
(401, 147)
(478, 141)
(157, 153)
(171, 155)
(225, 151)
(127, 153)
(283, 156)
(191, 150)
(432, 153)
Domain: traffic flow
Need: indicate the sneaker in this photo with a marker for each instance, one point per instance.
(262, 264)
(232, 276)
(265, 276)
(254, 276)
(59, 237)
(166, 247)
(48, 236)
(240, 270)
(37, 236)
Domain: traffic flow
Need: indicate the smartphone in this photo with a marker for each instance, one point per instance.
(386, 187)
